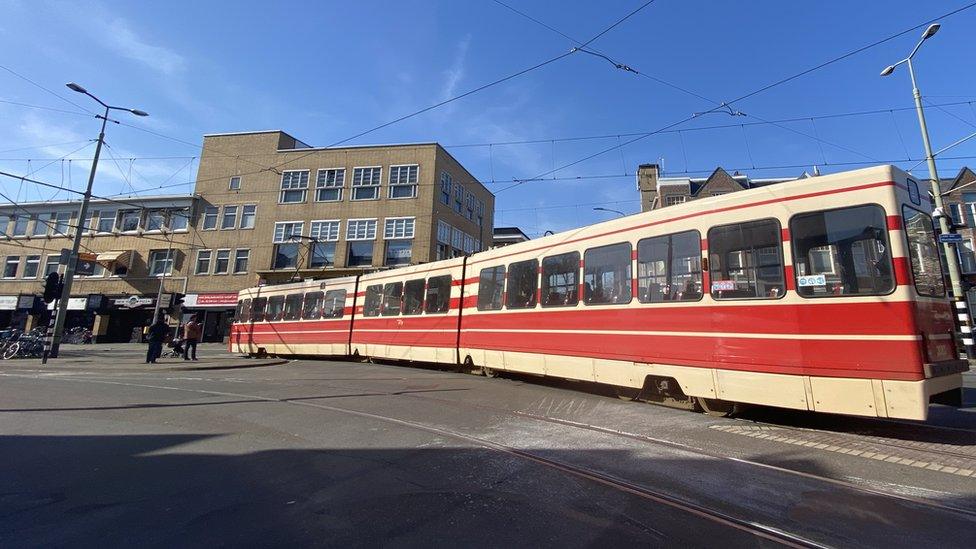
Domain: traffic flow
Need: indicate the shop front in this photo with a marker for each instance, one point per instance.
(216, 311)
(10, 315)
(121, 319)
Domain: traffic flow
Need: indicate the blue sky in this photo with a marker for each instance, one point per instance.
(324, 71)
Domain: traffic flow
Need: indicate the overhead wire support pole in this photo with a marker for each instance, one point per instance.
(951, 257)
(69, 271)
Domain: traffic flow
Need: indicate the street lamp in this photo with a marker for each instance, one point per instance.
(952, 259)
(622, 214)
(69, 271)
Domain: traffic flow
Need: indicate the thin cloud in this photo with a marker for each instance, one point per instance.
(454, 74)
(118, 36)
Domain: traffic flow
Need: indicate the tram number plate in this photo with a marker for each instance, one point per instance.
(812, 280)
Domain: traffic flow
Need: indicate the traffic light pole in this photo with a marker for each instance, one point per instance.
(69, 270)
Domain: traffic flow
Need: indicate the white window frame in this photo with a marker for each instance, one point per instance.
(216, 218)
(56, 220)
(216, 258)
(392, 232)
(447, 186)
(181, 213)
(223, 217)
(397, 169)
(170, 259)
(254, 216)
(375, 186)
(293, 187)
(196, 264)
(27, 261)
(671, 200)
(39, 221)
(230, 183)
(352, 229)
(315, 230)
(444, 230)
(247, 260)
(282, 240)
(322, 185)
(6, 261)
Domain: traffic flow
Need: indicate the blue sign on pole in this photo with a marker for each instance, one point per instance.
(950, 237)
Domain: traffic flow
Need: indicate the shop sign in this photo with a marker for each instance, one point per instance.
(133, 301)
(221, 301)
(25, 302)
(85, 266)
(8, 302)
(74, 304)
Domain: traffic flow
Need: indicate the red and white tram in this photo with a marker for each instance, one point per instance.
(821, 294)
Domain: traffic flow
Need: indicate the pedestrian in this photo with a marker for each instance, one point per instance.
(191, 336)
(155, 335)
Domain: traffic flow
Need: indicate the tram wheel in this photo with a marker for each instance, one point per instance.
(627, 393)
(489, 372)
(716, 407)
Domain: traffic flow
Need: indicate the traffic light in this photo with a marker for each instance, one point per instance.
(52, 287)
(176, 303)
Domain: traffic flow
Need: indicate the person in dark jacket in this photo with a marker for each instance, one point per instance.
(156, 335)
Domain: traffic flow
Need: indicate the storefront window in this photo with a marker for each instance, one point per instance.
(398, 252)
(360, 253)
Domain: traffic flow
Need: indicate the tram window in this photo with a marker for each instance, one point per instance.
(669, 268)
(240, 310)
(607, 274)
(923, 253)
(413, 297)
(560, 280)
(392, 298)
(312, 308)
(842, 252)
(491, 288)
(334, 304)
(276, 308)
(522, 284)
(244, 311)
(746, 260)
(374, 297)
(293, 306)
(438, 294)
(258, 306)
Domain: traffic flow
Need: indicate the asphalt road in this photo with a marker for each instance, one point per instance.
(100, 450)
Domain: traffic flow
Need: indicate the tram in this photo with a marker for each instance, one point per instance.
(822, 294)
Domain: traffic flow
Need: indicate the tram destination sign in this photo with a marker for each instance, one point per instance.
(950, 237)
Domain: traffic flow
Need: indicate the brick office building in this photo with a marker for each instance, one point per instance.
(273, 209)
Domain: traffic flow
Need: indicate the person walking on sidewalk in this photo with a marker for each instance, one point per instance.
(191, 336)
(156, 335)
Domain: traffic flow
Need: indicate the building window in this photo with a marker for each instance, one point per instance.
(469, 206)
(52, 265)
(328, 185)
(361, 229)
(294, 187)
(403, 181)
(969, 207)
(203, 262)
(458, 197)
(746, 261)
(399, 227)
(240, 261)
(607, 274)
(398, 252)
(446, 184)
(222, 262)
(229, 220)
(98, 271)
(32, 264)
(210, 218)
(481, 214)
(235, 183)
(106, 222)
(669, 268)
(42, 225)
(286, 248)
(155, 220)
(366, 183)
(129, 220)
(62, 222)
(161, 262)
(322, 255)
(457, 241)
(19, 223)
(92, 222)
(10, 267)
(324, 230)
(248, 213)
(672, 200)
(178, 220)
(360, 254)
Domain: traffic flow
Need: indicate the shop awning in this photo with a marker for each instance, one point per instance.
(109, 259)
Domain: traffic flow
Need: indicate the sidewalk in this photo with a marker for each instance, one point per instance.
(114, 356)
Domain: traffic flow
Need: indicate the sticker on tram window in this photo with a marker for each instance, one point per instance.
(811, 280)
(723, 285)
